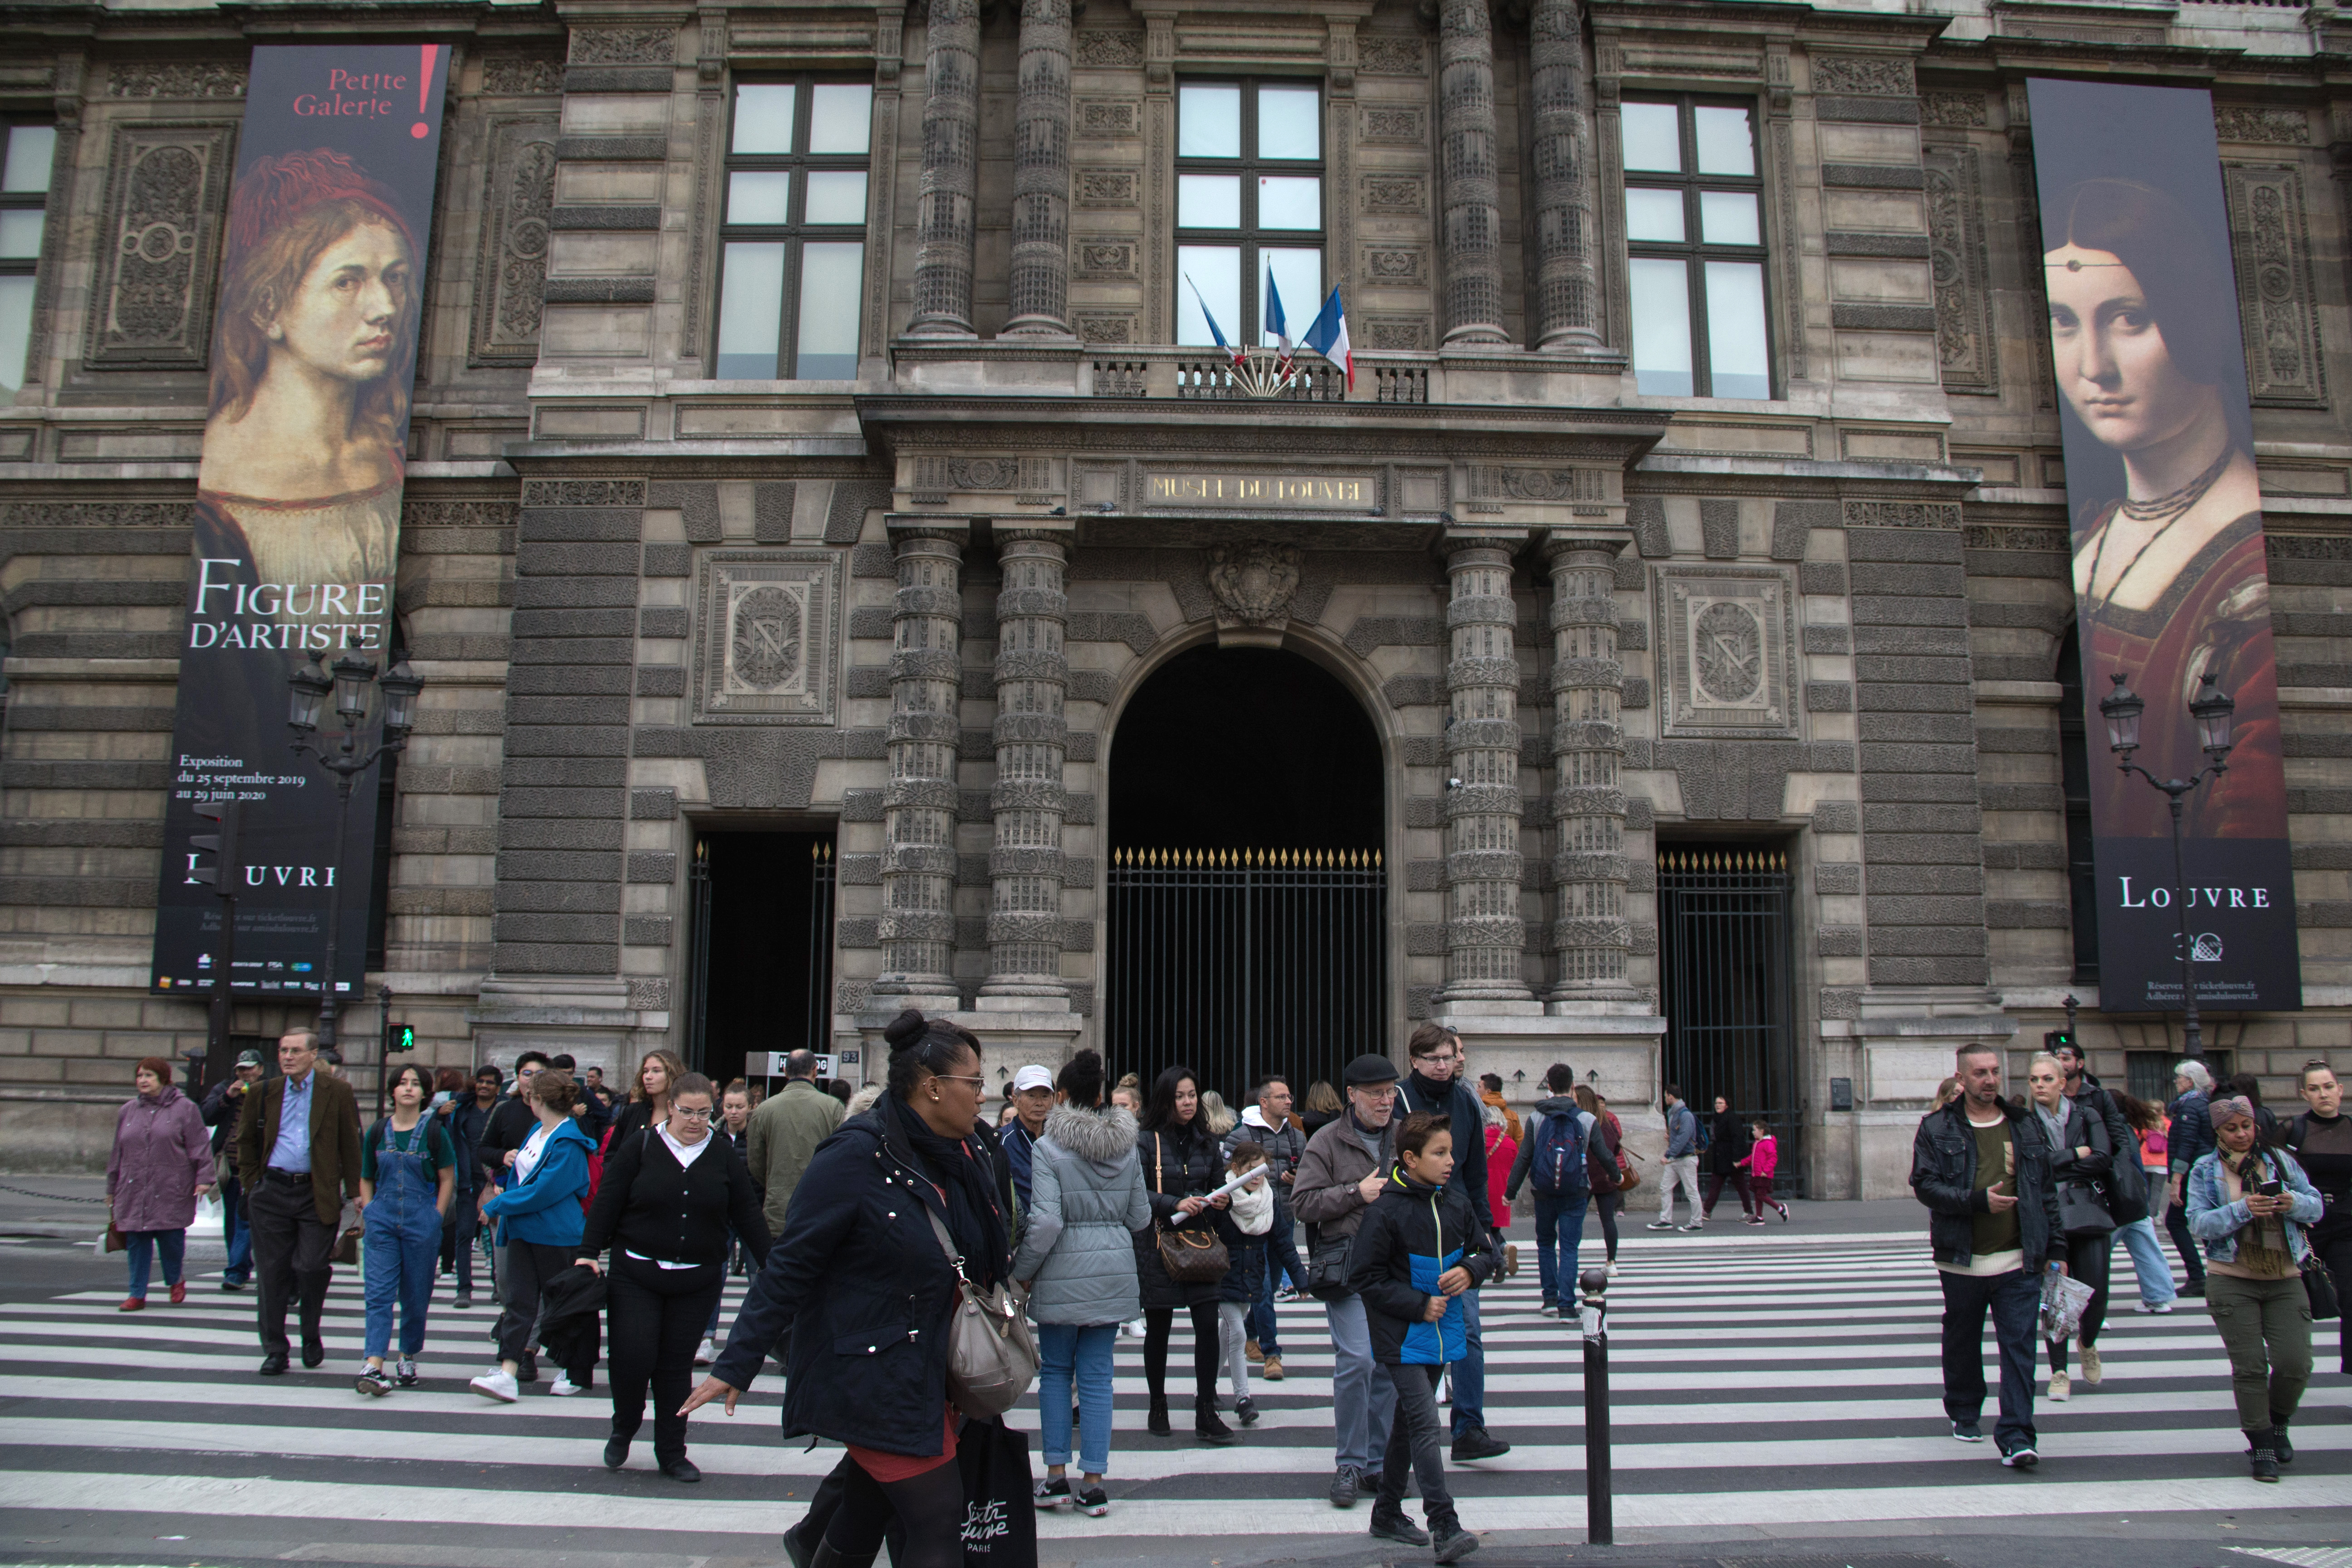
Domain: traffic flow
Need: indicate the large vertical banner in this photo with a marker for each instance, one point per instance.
(298, 499)
(2170, 579)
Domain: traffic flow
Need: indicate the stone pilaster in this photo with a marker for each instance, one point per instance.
(918, 816)
(943, 220)
(1472, 228)
(1025, 917)
(1588, 746)
(1041, 173)
(1566, 313)
(1483, 933)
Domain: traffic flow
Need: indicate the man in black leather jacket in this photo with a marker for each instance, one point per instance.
(1983, 1167)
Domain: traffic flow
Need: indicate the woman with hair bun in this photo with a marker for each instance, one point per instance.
(1077, 1262)
(862, 1277)
(1181, 1166)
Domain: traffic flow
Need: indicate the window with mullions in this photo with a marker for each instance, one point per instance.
(1249, 200)
(1694, 250)
(24, 169)
(792, 272)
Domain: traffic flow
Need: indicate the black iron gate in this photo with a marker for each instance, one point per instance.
(1723, 927)
(1242, 961)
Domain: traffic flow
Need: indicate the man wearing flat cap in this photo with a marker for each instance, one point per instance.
(1339, 1176)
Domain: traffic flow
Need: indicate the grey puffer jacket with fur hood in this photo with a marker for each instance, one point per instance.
(1086, 1199)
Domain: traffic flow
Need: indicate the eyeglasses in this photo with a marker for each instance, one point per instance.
(977, 1081)
(691, 1113)
(528, 1072)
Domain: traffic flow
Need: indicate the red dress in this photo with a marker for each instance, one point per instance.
(2215, 617)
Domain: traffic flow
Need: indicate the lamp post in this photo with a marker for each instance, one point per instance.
(2211, 707)
(347, 683)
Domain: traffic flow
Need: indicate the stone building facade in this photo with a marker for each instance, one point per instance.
(878, 552)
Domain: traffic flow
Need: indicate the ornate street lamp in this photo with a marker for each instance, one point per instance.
(2211, 708)
(308, 689)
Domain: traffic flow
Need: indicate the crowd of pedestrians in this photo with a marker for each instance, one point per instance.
(611, 1218)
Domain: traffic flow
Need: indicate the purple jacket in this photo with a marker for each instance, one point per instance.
(161, 1153)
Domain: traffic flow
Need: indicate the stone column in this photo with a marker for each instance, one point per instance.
(1483, 933)
(919, 861)
(1025, 917)
(1566, 313)
(943, 222)
(1041, 173)
(1588, 746)
(1472, 226)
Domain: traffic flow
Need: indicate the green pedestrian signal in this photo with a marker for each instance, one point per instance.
(404, 1037)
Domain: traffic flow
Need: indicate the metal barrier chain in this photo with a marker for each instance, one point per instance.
(53, 1197)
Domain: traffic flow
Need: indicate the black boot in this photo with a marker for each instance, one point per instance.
(1158, 1419)
(1206, 1426)
(2278, 1439)
(2262, 1454)
(824, 1556)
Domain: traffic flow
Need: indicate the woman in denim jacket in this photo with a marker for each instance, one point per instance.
(2255, 1249)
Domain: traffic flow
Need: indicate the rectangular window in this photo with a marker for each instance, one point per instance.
(792, 262)
(1695, 244)
(1249, 202)
(26, 164)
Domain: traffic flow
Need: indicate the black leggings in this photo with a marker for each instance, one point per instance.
(928, 1508)
(657, 1316)
(2086, 1260)
(1157, 1322)
(1609, 1205)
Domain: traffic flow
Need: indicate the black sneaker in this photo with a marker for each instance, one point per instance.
(1456, 1544)
(1662, 1224)
(1092, 1501)
(1967, 1431)
(1396, 1527)
(2022, 1457)
(1051, 1493)
(1477, 1443)
(527, 1370)
(233, 1285)
(374, 1383)
(1245, 1410)
(2194, 1288)
(1347, 1484)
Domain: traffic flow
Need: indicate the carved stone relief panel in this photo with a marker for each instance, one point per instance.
(1107, 188)
(1095, 48)
(1960, 108)
(1393, 124)
(521, 76)
(765, 633)
(1965, 343)
(1105, 256)
(1727, 651)
(166, 189)
(1100, 117)
(1390, 54)
(511, 285)
(1875, 75)
(175, 79)
(623, 46)
(2276, 310)
(2262, 122)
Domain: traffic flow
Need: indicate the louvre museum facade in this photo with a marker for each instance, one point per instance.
(847, 573)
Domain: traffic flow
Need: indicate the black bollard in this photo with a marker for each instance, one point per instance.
(1600, 1512)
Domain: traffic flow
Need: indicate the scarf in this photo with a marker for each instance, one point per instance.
(2262, 1244)
(1252, 1207)
(964, 1173)
(2054, 1126)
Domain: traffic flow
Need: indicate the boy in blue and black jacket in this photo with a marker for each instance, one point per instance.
(1420, 1245)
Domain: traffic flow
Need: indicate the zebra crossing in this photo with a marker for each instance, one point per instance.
(1758, 1380)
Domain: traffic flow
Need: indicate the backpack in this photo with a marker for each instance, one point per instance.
(1556, 1166)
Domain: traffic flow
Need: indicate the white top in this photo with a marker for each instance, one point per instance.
(527, 1157)
(688, 1154)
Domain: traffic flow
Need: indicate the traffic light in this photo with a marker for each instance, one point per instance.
(222, 874)
(404, 1037)
(2054, 1040)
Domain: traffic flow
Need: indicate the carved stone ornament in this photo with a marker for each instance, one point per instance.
(511, 285)
(623, 46)
(175, 79)
(1499, 484)
(941, 476)
(1878, 76)
(1253, 582)
(1391, 54)
(1725, 651)
(1098, 49)
(1965, 339)
(765, 636)
(2277, 309)
(518, 75)
(166, 186)
(2262, 122)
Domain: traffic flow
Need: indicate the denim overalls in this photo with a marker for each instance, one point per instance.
(403, 1238)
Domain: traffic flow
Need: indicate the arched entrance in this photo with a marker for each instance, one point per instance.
(1247, 929)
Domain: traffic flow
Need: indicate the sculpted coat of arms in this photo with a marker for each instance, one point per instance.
(1253, 582)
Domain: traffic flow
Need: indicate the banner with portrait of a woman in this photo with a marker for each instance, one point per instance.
(2171, 582)
(296, 519)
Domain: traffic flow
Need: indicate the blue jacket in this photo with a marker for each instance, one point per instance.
(1021, 1153)
(2217, 1224)
(545, 1206)
(1412, 1234)
(2191, 1138)
(1682, 1131)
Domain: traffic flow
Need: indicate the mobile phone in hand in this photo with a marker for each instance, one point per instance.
(2270, 1189)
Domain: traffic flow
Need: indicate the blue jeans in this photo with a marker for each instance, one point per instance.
(1068, 1352)
(1470, 1370)
(2155, 1286)
(2015, 1300)
(1281, 1259)
(235, 1233)
(1559, 1231)
(143, 1245)
(399, 1266)
(1363, 1392)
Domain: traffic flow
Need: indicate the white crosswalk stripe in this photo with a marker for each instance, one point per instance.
(1763, 1381)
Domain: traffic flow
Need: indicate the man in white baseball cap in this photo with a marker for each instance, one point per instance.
(1033, 1097)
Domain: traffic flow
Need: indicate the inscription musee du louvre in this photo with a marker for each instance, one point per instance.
(1305, 493)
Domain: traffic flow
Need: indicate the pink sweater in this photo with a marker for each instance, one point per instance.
(1764, 1158)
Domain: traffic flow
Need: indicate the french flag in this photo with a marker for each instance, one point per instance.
(1216, 330)
(1329, 337)
(1277, 323)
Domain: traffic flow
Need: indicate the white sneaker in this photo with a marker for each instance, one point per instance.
(498, 1384)
(1611, 1271)
(563, 1388)
(2061, 1389)
(2158, 1308)
(709, 1352)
